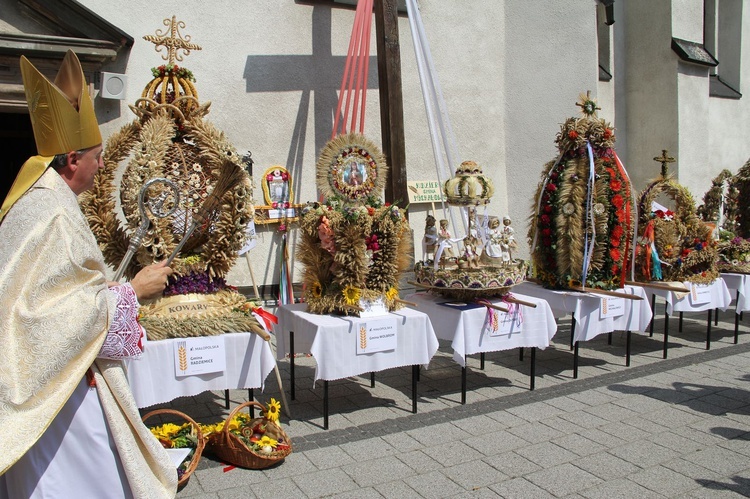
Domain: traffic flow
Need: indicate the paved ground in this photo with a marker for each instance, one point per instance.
(660, 428)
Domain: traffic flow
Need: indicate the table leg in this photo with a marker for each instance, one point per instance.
(325, 404)
(666, 333)
(572, 330)
(679, 326)
(226, 399)
(575, 360)
(653, 311)
(291, 362)
(609, 338)
(716, 316)
(737, 317)
(463, 385)
(481, 361)
(520, 354)
(250, 397)
(708, 331)
(533, 369)
(372, 379)
(414, 376)
(627, 348)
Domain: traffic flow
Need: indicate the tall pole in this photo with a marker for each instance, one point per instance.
(391, 99)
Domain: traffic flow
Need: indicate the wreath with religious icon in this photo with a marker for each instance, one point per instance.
(351, 168)
(353, 246)
(277, 187)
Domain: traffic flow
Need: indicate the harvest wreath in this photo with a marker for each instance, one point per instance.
(582, 221)
(211, 204)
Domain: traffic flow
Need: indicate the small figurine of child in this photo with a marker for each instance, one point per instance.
(444, 240)
(430, 239)
(509, 241)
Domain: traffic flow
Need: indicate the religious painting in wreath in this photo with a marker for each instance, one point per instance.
(351, 168)
(277, 187)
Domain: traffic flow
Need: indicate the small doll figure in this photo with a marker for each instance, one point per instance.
(444, 241)
(430, 239)
(494, 247)
(509, 241)
(471, 255)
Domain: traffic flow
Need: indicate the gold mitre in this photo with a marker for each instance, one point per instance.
(62, 116)
(62, 113)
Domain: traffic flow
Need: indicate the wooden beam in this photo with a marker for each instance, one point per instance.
(391, 99)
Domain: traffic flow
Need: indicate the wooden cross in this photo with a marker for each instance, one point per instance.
(664, 160)
(173, 42)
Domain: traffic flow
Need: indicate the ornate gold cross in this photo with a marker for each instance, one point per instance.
(173, 41)
(664, 160)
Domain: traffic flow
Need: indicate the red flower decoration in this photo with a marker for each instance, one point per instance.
(614, 253)
(617, 232)
(551, 187)
(615, 269)
(607, 133)
(545, 219)
(546, 232)
(618, 201)
(285, 176)
(615, 242)
(615, 185)
(547, 208)
(572, 134)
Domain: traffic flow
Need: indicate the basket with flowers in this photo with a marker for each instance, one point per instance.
(250, 443)
(174, 436)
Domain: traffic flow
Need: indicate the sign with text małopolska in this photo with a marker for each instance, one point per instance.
(201, 355)
(376, 335)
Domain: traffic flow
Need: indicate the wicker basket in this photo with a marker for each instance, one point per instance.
(229, 448)
(199, 435)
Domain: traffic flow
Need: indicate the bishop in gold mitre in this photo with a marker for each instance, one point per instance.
(63, 118)
(72, 427)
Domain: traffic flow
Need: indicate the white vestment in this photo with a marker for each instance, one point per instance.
(61, 438)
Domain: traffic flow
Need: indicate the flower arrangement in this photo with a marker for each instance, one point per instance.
(172, 70)
(581, 226)
(734, 254)
(673, 245)
(263, 440)
(352, 252)
(180, 436)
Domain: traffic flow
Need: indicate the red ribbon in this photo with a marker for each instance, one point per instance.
(267, 317)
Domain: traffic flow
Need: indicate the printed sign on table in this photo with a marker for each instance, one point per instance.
(611, 307)
(500, 323)
(699, 294)
(378, 335)
(205, 354)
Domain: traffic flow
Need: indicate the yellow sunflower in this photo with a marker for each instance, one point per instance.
(316, 290)
(272, 410)
(391, 294)
(267, 441)
(351, 295)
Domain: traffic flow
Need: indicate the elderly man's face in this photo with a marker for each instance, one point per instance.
(88, 162)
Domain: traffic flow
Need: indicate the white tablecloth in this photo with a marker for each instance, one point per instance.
(332, 341)
(720, 298)
(152, 377)
(464, 327)
(741, 283)
(586, 307)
